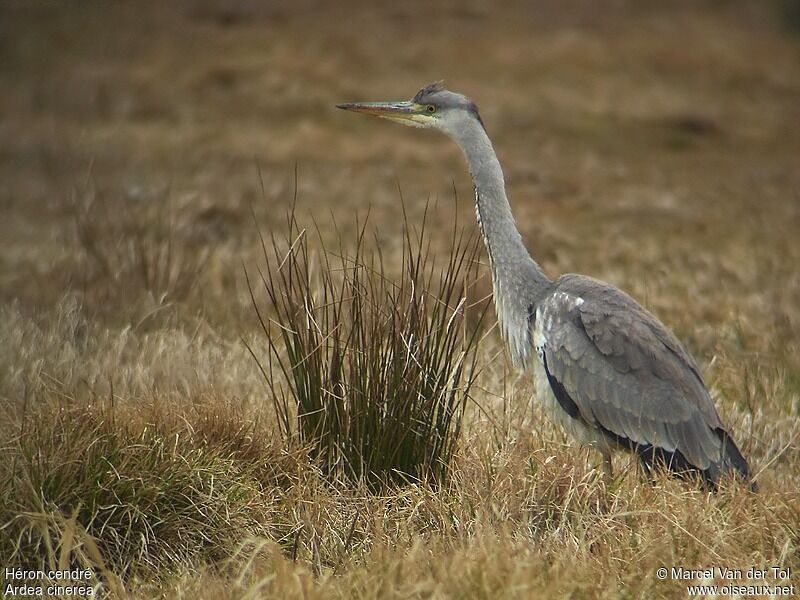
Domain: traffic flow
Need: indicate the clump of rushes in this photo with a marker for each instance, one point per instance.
(371, 375)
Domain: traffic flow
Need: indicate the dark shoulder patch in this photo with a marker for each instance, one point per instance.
(560, 392)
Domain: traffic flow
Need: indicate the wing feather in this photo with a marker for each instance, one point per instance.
(627, 374)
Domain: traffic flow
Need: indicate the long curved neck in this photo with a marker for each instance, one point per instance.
(518, 281)
(510, 260)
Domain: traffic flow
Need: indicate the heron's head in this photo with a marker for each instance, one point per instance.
(431, 107)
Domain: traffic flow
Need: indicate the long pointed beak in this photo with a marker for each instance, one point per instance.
(396, 111)
(380, 109)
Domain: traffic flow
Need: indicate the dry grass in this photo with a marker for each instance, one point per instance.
(654, 147)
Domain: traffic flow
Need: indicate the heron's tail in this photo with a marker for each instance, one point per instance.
(732, 462)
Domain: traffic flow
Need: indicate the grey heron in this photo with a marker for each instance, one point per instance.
(605, 369)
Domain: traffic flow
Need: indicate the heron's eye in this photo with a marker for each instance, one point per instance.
(431, 108)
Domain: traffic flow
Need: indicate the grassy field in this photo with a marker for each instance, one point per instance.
(146, 147)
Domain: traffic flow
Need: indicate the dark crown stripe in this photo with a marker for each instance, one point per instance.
(436, 86)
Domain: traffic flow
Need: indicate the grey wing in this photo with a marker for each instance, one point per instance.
(629, 377)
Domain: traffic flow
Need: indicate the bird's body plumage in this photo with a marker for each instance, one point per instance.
(621, 375)
(605, 369)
